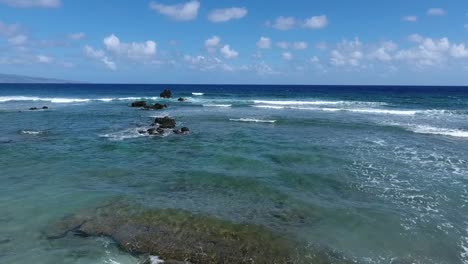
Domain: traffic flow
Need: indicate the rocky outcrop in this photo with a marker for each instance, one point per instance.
(166, 94)
(156, 106)
(37, 108)
(139, 104)
(165, 122)
(181, 236)
(182, 99)
(183, 130)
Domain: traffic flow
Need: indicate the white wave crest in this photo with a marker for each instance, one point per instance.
(217, 105)
(124, 134)
(198, 94)
(31, 132)
(440, 131)
(296, 102)
(253, 120)
(354, 110)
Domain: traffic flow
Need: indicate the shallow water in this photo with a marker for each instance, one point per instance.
(378, 174)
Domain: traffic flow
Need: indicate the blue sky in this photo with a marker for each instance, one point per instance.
(260, 42)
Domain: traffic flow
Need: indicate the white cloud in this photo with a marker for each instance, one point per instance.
(203, 63)
(32, 3)
(429, 52)
(287, 56)
(314, 60)
(436, 12)
(300, 45)
(109, 63)
(18, 40)
(134, 50)
(224, 15)
(228, 53)
(415, 38)
(284, 23)
(77, 36)
(44, 59)
(264, 43)
(316, 22)
(181, 12)
(347, 53)
(9, 29)
(282, 45)
(410, 18)
(92, 53)
(459, 51)
(101, 56)
(212, 43)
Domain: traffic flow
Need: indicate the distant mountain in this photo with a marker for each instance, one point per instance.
(11, 78)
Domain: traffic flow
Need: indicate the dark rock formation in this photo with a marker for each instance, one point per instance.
(156, 106)
(45, 107)
(184, 130)
(165, 122)
(182, 99)
(182, 237)
(166, 94)
(33, 108)
(139, 104)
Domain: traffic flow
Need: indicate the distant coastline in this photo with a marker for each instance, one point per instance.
(14, 78)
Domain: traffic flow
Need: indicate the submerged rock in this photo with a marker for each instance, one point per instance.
(165, 122)
(139, 104)
(184, 130)
(156, 106)
(166, 94)
(182, 99)
(180, 236)
(45, 107)
(33, 108)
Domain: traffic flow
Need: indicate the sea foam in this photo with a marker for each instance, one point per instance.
(217, 105)
(198, 94)
(253, 120)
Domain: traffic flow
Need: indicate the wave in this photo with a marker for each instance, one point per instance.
(253, 120)
(124, 134)
(354, 110)
(31, 132)
(217, 105)
(198, 94)
(316, 102)
(439, 131)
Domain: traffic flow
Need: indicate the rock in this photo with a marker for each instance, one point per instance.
(45, 107)
(156, 106)
(142, 132)
(182, 99)
(33, 108)
(184, 130)
(139, 104)
(152, 131)
(182, 237)
(166, 94)
(165, 122)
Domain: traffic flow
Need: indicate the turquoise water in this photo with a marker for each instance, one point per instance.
(377, 174)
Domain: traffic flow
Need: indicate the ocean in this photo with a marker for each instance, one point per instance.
(369, 174)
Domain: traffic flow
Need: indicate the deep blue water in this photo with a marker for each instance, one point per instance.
(378, 174)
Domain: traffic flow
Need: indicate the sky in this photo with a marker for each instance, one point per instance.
(398, 42)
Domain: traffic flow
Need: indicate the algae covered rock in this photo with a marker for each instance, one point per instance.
(178, 235)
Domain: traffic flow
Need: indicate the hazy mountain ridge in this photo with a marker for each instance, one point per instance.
(13, 78)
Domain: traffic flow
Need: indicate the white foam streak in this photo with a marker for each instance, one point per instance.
(217, 105)
(198, 94)
(125, 134)
(440, 131)
(253, 120)
(31, 132)
(297, 102)
(354, 110)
